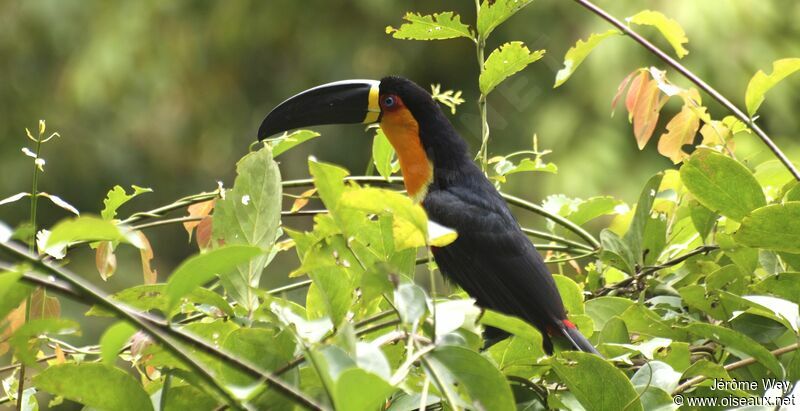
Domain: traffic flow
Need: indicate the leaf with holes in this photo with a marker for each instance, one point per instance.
(680, 131)
(285, 143)
(116, 197)
(438, 26)
(504, 62)
(492, 13)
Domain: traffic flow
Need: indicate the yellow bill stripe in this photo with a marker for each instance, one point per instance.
(374, 108)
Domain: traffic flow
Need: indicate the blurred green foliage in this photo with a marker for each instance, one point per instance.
(168, 95)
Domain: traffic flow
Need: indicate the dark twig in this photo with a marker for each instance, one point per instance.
(694, 79)
(645, 271)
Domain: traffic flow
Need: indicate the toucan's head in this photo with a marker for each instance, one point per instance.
(414, 124)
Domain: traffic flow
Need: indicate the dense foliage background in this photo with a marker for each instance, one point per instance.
(168, 96)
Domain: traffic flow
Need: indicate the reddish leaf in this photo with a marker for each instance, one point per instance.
(9, 325)
(680, 130)
(620, 89)
(203, 237)
(44, 306)
(645, 112)
(198, 210)
(634, 91)
(301, 201)
(105, 260)
(150, 275)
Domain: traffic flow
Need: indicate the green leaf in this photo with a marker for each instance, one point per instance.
(571, 294)
(116, 197)
(592, 208)
(113, 340)
(722, 184)
(515, 326)
(21, 340)
(409, 300)
(266, 348)
(616, 252)
(88, 228)
(149, 297)
(774, 227)
(439, 26)
(475, 375)
(250, 214)
(188, 397)
(329, 180)
(94, 385)
(12, 292)
(597, 384)
(737, 343)
(357, 389)
(642, 320)
(577, 53)
(785, 285)
(504, 62)
(669, 28)
(494, 12)
(703, 219)
(285, 143)
(202, 268)
(656, 374)
(409, 222)
(635, 236)
(382, 154)
(603, 309)
(763, 82)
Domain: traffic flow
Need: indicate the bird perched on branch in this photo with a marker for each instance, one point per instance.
(492, 259)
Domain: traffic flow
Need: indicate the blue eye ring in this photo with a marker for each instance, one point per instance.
(389, 101)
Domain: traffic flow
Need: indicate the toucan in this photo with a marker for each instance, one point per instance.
(491, 259)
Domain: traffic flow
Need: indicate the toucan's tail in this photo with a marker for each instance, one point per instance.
(576, 338)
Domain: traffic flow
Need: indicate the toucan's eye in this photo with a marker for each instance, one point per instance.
(389, 101)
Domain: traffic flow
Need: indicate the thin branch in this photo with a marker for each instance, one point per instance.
(694, 79)
(732, 366)
(652, 269)
(290, 287)
(569, 225)
(552, 237)
(162, 332)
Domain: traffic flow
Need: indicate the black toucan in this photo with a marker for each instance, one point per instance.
(492, 259)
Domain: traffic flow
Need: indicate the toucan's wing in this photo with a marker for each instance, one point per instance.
(492, 259)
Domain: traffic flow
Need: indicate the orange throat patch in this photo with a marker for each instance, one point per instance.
(402, 130)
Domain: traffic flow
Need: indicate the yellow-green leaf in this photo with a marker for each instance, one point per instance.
(762, 82)
(668, 27)
(438, 26)
(577, 53)
(97, 386)
(504, 62)
(286, 142)
(775, 227)
(494, 12)
(382, 154)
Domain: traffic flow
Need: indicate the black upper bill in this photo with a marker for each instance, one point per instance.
(348, 101)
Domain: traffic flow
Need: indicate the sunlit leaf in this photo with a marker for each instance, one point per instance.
(149, 275)
(721, 184)
(43, 305)
(504, 62)
(577, 53)
(94, 385)
(15, 197)
(249, 214)
(116, 197)
(372, 390)
(492, 13)
(439, 26)
(681, 130)
(669, 28)
(644, 102)
(382, 154)
(25, 339)
(88, 228)
(202, 268)
(12, 292)
(286, 142)
(113, 339)
(302, 200)
(774, 227)
(763, 82)
(595, 382)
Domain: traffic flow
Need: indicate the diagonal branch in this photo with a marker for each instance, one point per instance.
(694, 79)
(158, 328)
